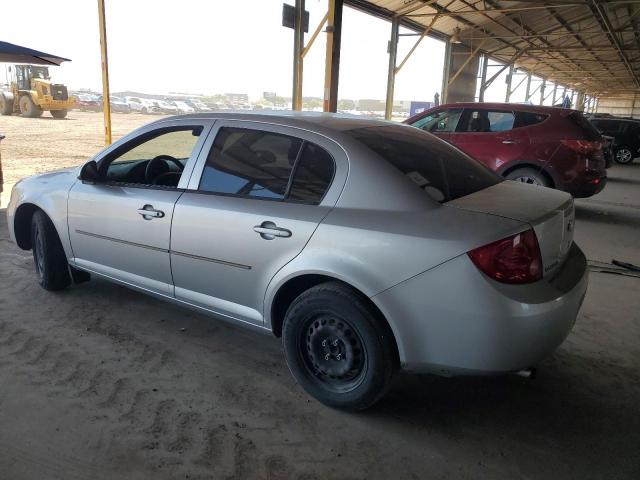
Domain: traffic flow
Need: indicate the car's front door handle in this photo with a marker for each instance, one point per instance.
(508, 142)
(269, 231)
(148, 212)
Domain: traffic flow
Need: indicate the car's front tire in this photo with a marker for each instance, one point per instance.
(623, 155)
(48, 254)
(337, 348)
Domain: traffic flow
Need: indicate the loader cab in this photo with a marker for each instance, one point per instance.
(25, 73)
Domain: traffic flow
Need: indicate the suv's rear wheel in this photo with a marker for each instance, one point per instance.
(624, 155)
(48, 254)
(530, 176)
(337, 348)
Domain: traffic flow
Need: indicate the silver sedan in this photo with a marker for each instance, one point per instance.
(367, 246)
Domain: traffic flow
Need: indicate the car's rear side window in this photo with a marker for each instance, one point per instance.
(526, 119)
(312, 175)
(256, 163)
(442, 171)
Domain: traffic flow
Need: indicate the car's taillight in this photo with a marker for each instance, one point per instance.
(582, 146)
(514, 259)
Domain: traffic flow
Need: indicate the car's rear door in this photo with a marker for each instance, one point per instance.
(489, 136)
(257, 194)
(122, 229)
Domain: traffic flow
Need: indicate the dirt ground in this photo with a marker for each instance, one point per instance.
(36, 145)
(100, 382)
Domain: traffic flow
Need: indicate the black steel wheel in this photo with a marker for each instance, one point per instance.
(338, 348)
(334, 353)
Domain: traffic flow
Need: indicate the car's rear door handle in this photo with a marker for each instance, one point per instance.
(269, 231)
(148, 212)
(508, 142)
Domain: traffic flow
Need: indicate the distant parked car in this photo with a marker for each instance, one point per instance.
(119, 105)
(367, 246)
(626, 133)
(183, 107)
(166, 107)
(547, 146)
(142, 105)
(88, 103)
(199, 106)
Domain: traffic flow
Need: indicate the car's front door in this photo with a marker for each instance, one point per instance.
(256, 196)
(120, 226)
(489, 136)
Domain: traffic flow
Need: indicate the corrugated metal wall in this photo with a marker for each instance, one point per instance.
(622, 105)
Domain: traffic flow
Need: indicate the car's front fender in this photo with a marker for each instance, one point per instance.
(47, 192)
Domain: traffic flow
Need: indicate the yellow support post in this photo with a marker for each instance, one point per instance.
(105, 74)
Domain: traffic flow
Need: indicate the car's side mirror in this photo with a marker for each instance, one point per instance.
(89, 172)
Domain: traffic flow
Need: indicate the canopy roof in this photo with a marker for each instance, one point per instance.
(588, 45)
(10, 53)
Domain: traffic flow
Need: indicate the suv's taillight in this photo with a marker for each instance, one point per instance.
(514, 259)
(582, 146)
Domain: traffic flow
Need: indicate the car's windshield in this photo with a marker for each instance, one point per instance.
(442, 171)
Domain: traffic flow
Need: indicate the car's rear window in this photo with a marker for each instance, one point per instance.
(590, 132)
(442, 171)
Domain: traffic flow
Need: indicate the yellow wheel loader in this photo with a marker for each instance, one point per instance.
(32, 92)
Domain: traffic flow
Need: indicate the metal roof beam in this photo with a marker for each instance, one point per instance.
(607, 27)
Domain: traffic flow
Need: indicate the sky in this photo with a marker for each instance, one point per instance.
(216, 46)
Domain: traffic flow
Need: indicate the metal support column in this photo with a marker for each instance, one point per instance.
(332, 57)
(542, 87)
(509, 81)
(555, 91)
(106, 106)
(391, 75)
(298, 61)
(483, 78)
(526, 93)
(445, 73)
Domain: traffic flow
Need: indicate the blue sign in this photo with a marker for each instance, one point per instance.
(419, 107)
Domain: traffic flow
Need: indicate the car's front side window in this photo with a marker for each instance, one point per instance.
(443, 121)
(268, 165)
(157, 158)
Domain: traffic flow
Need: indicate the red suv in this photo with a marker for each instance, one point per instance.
(552, 147)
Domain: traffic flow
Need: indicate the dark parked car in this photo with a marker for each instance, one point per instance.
(626, 133)
(608, 150)
(552, 147)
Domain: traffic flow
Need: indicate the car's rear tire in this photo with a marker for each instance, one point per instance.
(530, 176)
(48, 254)
(28, 108)
(59, 114)
(337, 347)
(624, 155)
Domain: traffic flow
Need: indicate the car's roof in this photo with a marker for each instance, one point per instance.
(501, 106)
(319, 121)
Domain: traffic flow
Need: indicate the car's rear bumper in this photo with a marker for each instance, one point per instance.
(454, 320)
(589, 184)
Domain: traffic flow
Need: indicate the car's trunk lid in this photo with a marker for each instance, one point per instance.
(550, 212)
